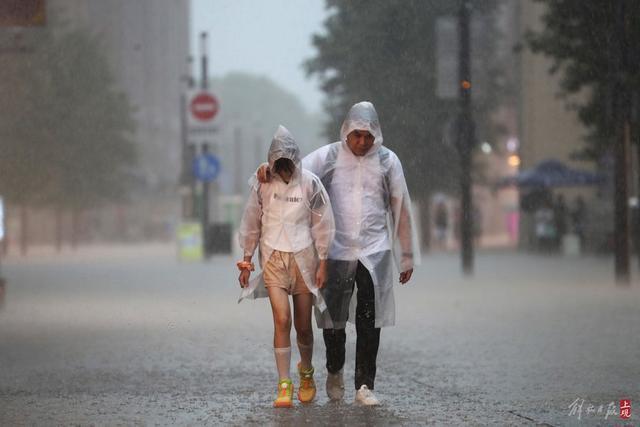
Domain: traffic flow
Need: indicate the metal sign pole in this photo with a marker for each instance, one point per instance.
(205, 205)
(204, 83)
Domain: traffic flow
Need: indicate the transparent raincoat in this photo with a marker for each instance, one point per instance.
(374, 223)
(296, 216)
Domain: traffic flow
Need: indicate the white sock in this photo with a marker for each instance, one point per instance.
(306, 353)
(283, 361)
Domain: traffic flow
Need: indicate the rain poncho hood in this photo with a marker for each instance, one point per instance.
(362, 116)
(283, 146)
(292, 217)
(373, 217)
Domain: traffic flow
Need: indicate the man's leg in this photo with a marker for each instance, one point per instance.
(368, 336)
(334, 340)
(337, 295)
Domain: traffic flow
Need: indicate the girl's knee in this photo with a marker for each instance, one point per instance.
(282, 321)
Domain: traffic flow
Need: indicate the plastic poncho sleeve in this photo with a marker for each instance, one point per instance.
(315, 161)
(405, 239)
(322, 223)
(250, 225)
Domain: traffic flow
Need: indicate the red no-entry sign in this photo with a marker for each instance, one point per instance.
(204, 106)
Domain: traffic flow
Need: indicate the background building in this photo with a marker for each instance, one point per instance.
(548, 128)
(147, 42)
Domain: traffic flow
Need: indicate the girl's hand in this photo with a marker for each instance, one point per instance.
(244, 278)
(321, 274)
(264, 174)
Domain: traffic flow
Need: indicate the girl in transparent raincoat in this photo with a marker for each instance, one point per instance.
(290, 220)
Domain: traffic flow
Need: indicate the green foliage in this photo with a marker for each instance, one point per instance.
(384, 51)
(586, 43)
(66, 132)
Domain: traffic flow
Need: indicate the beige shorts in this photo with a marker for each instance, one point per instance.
(282, 271)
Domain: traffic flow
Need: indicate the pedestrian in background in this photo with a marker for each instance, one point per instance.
(545, 226)
(578, 220)
(560, 217)
(441, 221)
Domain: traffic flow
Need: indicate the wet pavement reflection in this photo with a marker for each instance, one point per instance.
(134, 337)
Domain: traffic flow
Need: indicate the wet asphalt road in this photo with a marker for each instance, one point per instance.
(132, 337)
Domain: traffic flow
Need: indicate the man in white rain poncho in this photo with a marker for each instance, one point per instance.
(291, 220)
(374, 225)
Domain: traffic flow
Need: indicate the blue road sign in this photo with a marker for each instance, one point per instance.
(206, 167)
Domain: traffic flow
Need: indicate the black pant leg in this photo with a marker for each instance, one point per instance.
(337, 294)
(368, 336)
(334, 340)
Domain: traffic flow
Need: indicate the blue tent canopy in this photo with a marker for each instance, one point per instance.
(553, 173)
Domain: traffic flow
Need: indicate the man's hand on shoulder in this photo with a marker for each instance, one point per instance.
(405, 276)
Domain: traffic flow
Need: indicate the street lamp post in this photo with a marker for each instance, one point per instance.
(622, 101)
(187, 183)
(204, 84)
(465, 138)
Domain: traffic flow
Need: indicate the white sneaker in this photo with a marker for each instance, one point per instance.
(335, 385)
(364, 396)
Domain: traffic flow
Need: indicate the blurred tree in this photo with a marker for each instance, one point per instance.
(24, 139)
(66, 133)
(94, 125)
(594, 46)
(385, 52)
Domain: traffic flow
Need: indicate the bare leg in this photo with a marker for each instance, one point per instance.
(302, 305)
(281, 330)
(281, 317)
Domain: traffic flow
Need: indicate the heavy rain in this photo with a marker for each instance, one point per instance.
(447, 188)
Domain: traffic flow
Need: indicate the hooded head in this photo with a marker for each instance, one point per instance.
(283, 146)
(362, 117)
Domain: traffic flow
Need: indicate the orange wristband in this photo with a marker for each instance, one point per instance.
(245, 265)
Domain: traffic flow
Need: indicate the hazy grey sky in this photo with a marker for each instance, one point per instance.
(264, 37)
